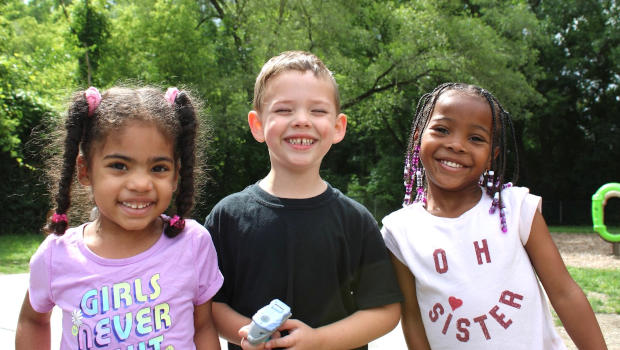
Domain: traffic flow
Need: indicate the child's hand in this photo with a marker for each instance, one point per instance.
(300, 336)
(245, 344)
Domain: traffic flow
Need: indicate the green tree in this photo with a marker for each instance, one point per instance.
(572, 139)
(35, 77)
(89, 25)
(384, 54)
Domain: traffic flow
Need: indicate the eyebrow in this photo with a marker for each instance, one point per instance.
(128, 159)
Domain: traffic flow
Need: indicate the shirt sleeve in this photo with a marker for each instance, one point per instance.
(390, 240)
(528, 204)
(40, 277)
(209, 277)
(377, 284)
(213, 225)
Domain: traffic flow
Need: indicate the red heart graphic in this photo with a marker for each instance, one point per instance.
(455, 303)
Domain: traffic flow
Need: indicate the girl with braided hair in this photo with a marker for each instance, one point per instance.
(469, 249)
(134, 278)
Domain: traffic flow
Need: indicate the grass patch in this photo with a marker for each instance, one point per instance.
(16, 250)
(602, 287)
(581, 229)
(571, 229)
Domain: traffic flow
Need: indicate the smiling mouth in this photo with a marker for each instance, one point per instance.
(134, 205)
(451, 164)
(300, 141)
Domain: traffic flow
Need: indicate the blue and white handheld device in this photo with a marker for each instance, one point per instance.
(267, 320)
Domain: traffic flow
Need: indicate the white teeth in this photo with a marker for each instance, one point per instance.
(301, 141)
(135, 205)
(451, 164)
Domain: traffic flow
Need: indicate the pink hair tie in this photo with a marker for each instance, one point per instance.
(56, 218)
(93, 97)
(171, 94)
(177, 222)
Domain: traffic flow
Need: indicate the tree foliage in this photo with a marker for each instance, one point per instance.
(572, 139)
(552, 63)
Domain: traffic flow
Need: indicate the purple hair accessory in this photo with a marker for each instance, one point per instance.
(177, 222)
(171, 94)
(93, 97)
(56, 218)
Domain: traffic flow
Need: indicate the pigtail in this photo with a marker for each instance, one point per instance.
(414, 173)
(186, 145)
(78, 120)
(495, 178)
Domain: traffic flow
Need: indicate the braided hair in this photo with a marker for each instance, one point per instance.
(88, 124)
(494, 180)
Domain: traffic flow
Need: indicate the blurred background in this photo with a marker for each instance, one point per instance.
(554, 64)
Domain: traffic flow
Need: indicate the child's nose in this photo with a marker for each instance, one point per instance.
(302, 118)
(140, 182)
(455, 144)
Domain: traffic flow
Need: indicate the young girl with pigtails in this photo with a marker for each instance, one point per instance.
(469, 249)
(134, 278)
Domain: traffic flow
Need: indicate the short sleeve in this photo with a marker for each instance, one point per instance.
(389, 239)
(524, 205)
(530, 205)
(209, 277)
(40, 277)
(212, 224)
(377, 282)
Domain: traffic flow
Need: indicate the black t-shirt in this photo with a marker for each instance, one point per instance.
(323, 256)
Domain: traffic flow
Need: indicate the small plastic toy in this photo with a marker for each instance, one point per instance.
(267, 320)
(599, 199)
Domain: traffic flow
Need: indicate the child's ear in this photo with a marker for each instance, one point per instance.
(256, 127)
(340, 127)
(82, 171)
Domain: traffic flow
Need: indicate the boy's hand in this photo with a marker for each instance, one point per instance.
(301, 336)
(245, 344)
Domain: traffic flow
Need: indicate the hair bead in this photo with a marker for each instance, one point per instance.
(492, 181)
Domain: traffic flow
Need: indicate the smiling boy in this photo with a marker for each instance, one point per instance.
(294, 237)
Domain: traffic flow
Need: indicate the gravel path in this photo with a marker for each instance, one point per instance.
(591, 251)
(586, 250)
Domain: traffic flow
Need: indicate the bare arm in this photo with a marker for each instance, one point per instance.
(565, 295)
(205, 336)
(33, 328)
(353, 331)
(411, 318)
(228, 322)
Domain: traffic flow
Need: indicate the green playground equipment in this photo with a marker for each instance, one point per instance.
(599, 199)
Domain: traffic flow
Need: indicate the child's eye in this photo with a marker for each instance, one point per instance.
(440, 129)
(160, 168)
(478, 139)
(283, 110)
(118, 166)
(319, 111)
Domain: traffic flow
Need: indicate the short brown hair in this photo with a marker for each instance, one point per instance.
(292, 60)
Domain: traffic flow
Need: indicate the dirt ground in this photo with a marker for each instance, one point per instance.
(591, 251)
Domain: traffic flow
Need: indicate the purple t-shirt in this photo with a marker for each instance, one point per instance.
(142, 302)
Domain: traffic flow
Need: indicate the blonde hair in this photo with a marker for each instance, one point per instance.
(292, 60)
